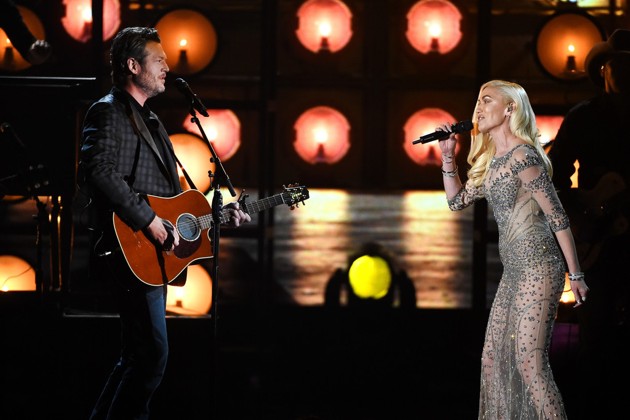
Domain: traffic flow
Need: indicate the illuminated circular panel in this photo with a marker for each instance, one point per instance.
(189, 40)
(322, 135)
(195, 297)
(324, 25)
(10, 58)
(16, 274)
(194, 154)
(420, 123)
(563, 42)
(78, 19)
(434, 26)
(223, 129)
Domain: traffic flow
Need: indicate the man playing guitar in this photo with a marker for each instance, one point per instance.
(595, 133)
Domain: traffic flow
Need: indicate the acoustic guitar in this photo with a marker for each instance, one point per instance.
(191, 214)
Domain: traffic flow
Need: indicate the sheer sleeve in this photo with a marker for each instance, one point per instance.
(466, 196)
(535, 180)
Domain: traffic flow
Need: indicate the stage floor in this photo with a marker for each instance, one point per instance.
(275, 362)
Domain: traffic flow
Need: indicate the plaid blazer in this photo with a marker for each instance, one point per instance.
(115, 140)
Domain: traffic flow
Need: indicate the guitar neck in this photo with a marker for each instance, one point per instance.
(254, 207)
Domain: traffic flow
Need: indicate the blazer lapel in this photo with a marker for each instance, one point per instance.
(168, 167)
(144, 132)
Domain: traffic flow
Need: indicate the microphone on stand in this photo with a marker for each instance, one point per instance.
(188, 93)
(440, 134)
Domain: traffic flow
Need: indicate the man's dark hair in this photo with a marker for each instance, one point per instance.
(129, 42)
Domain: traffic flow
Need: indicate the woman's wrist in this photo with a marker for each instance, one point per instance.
(448, 157)
(450, 174)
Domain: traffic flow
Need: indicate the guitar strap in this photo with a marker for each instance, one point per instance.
(188, 179)
(131, 177)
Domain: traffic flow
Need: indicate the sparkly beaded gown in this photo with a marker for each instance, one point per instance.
(516, 377)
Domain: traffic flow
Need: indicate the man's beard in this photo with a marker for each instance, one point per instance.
(148, 85)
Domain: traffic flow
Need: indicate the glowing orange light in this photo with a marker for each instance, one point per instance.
(563, 43)
(195, 297)
(324, 24)
(182, 62)
(434, 26)
(435, 30)
(189, 40)
(16, 274)
(420, 123)
(322, 135)
(325, 29)
(9, 55)
(548, 126)
(78, 19)
(10, 58)
(195, 156)
(567, 295)
(223, 129)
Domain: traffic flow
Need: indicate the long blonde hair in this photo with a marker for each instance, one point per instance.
(522, 125)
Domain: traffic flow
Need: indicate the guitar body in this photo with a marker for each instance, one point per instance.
(146, 260)
(189, 213)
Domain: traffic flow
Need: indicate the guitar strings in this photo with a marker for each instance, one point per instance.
(201, 222)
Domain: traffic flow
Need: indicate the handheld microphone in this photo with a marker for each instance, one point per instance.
(439, 135)
(188, 93)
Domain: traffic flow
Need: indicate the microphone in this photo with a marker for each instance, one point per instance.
(188, 93)
(439, 135)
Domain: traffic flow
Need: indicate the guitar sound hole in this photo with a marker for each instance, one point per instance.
(188, 227)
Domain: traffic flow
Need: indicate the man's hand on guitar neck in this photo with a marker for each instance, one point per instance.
(163, 233)
(236, 216)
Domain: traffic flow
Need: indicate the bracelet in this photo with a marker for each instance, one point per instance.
(576, 276)
(450, 174)
(450, 157)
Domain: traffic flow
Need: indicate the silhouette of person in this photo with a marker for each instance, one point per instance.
(594, 132)
(35, 51)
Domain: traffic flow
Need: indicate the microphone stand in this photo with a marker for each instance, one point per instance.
(218, 179)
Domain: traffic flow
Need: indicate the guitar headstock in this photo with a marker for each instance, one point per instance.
(294, 194)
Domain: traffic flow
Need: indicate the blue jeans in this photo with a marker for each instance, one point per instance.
(144, 352)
